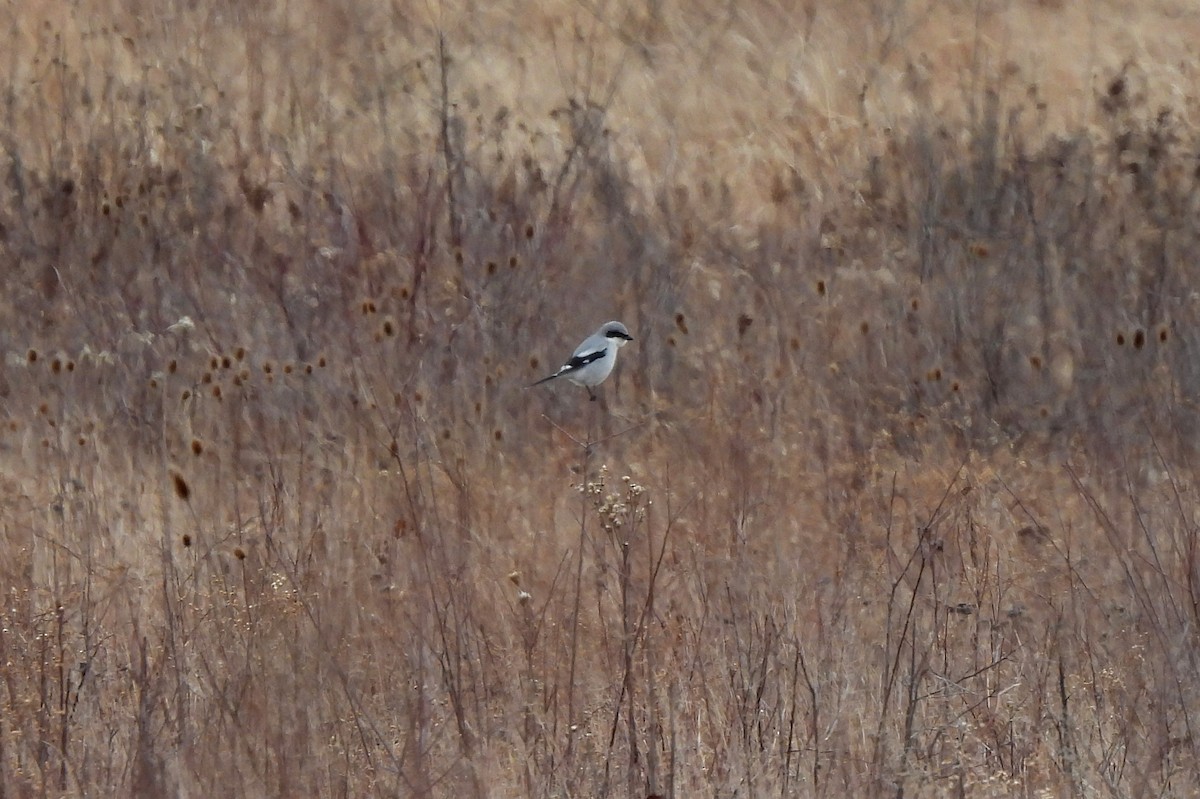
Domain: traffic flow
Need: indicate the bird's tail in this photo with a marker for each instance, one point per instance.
(544, 380)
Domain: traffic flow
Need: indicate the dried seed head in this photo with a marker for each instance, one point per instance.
(187, 540)
(182, 489)
(197, 447)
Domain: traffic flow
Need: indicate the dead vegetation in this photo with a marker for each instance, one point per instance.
(893, 494)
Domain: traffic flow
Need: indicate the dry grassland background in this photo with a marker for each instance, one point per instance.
(893, 495)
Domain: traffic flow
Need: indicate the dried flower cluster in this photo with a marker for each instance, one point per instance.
(621, 509)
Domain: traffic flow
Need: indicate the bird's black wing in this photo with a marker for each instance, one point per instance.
(582, 359)
(578, 361)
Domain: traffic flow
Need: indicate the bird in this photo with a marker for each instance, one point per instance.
(594, 358)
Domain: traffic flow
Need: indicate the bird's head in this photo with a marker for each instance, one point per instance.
(616, 333)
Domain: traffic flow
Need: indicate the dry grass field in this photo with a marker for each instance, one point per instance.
(895, 493)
